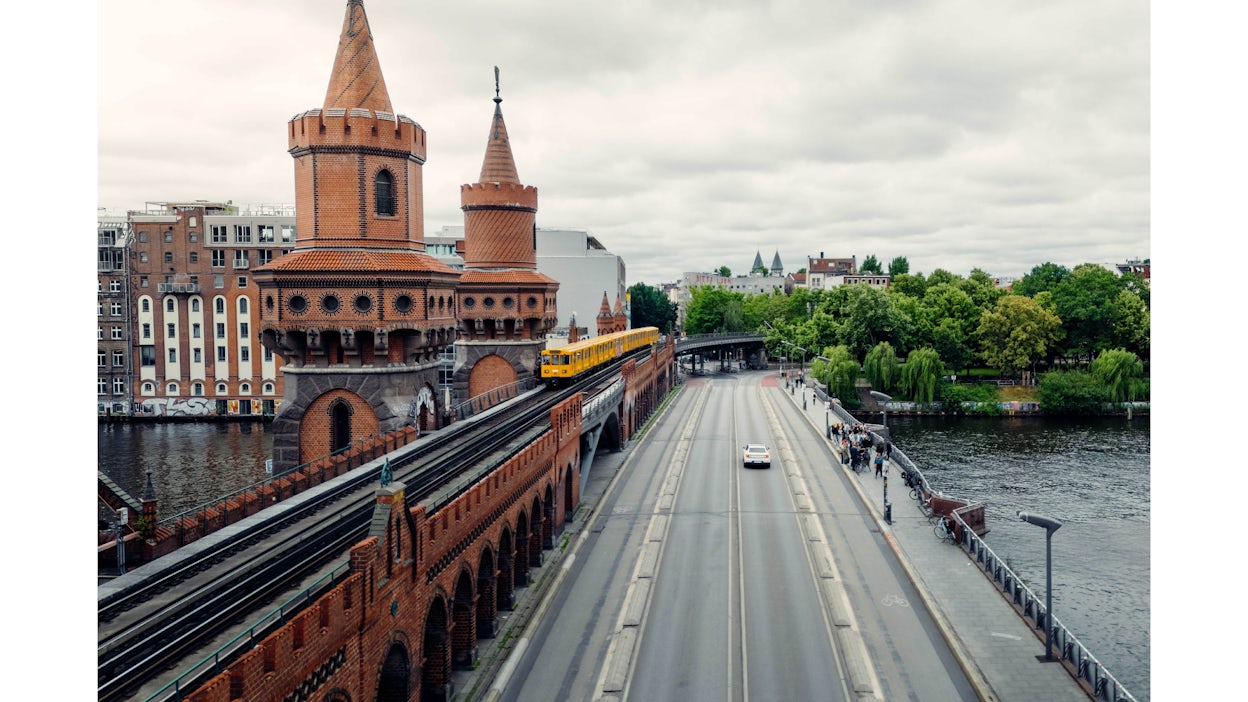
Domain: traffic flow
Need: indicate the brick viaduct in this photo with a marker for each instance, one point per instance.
(424, 587)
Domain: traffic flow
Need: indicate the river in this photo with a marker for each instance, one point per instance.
(1092, 475)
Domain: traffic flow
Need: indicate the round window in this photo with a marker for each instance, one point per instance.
(330, 303)
(531, 302)
(363, 303)
(508, 302)
(403, 303)
(488, 302)
(298, 304)
(470, 302)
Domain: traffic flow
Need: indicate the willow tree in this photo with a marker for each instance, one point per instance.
(839, 372)
(1119, 371)
(881, 366)
(920, 376)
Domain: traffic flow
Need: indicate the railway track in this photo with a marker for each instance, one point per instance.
(148, 628)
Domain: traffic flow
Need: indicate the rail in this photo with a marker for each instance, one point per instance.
(1073, 654)
(488, 399)
(214, 663)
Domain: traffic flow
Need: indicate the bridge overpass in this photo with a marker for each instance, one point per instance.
(462, 573)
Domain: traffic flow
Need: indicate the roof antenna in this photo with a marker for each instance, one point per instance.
(497, 99)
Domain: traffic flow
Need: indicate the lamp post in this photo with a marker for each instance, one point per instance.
(1050, 525)
(883, 399)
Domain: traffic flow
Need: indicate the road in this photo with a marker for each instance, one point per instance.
(700, 579)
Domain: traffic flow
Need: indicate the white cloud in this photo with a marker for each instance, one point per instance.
(684, 135)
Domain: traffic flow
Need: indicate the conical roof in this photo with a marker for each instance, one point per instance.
(604, 310)
(499, 165)
(775, 263)
(356, 80)
(758, 261)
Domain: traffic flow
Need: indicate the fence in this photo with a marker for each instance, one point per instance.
(1072, 654)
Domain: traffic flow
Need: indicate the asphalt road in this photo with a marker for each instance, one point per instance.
(699, 579)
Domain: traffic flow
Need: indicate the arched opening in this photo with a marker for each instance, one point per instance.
(396, 675)
(522, 551)
(568, 495)
(548, 518)
(383, 193)
(464, 634)
(506, 575)
(339, 426)
(435, 679)
(536, 528)
(487, 599)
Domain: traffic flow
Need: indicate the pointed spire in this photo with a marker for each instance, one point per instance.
(604, 310)
(758, 261)
(776, 266)
(499, 166)
(356, 80)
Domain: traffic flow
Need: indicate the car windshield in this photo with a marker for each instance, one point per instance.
(756, 448)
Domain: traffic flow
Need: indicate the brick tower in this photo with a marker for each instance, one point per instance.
(506, 306)
(357, 310)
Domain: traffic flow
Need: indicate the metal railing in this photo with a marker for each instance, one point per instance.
(1073, 654)
(488, 399)
(214, 663)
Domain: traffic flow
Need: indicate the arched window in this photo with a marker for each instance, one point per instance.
(195, 305)
(383, 192)
(169, 304)
(220, 305)
(242, 305)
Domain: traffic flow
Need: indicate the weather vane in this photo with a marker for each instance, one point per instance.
(496, 97)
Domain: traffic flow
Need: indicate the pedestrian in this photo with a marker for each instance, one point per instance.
(879, 464)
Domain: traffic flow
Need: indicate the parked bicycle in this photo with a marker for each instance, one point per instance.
(944, 530)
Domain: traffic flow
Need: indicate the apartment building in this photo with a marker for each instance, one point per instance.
(113, 357)
(195, 312)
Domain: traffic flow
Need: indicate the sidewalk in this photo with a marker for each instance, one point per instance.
(994, 645)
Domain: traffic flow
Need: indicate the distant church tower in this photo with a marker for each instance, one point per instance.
(357, 310)
(506, 306)
(777, 269)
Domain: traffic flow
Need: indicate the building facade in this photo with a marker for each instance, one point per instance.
(195, 314)
(114, 385)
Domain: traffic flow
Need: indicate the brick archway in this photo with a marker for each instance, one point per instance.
(325, 416)
(490, 372)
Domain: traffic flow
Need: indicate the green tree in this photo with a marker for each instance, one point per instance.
(1119, 372)
(900, 265)
(1017, 333)
(941, 275)
(870, 264)
(912, 285)
(713, 310)
(982, 289)
(920, 376)
(953, 345)
(839, 373)
(1131, 323)
(649, 307)
(1085, 302)
(1045, 276)
(867, 317)
(881, 367)
(725, 271)
(1070, 392)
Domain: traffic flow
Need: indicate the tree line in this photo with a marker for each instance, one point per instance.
(1083, 331)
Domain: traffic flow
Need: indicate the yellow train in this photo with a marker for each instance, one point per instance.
(564, 364)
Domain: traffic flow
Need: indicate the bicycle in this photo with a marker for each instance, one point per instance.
(943, 531)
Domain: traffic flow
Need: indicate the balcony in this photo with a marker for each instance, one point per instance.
(178, 288)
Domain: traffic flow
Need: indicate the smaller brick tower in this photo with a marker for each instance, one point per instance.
(506, 306)
(358, 310)
(606, 321)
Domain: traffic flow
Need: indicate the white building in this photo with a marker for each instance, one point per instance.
(584, 268)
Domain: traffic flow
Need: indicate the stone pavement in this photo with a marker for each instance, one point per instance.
(995, 646)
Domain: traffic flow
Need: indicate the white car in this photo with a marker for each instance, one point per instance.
(757, 455)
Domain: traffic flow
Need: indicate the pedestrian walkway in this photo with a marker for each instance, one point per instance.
(996, 647)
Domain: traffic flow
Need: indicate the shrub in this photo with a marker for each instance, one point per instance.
(1071, 392)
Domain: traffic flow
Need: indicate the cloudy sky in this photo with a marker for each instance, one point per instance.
(686, 135)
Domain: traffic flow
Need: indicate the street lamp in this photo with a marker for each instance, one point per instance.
(1050, 525)
(882, 399)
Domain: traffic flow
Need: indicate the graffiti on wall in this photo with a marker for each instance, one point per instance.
(174, 407)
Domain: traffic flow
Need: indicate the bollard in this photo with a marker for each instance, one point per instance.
(888, 512)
